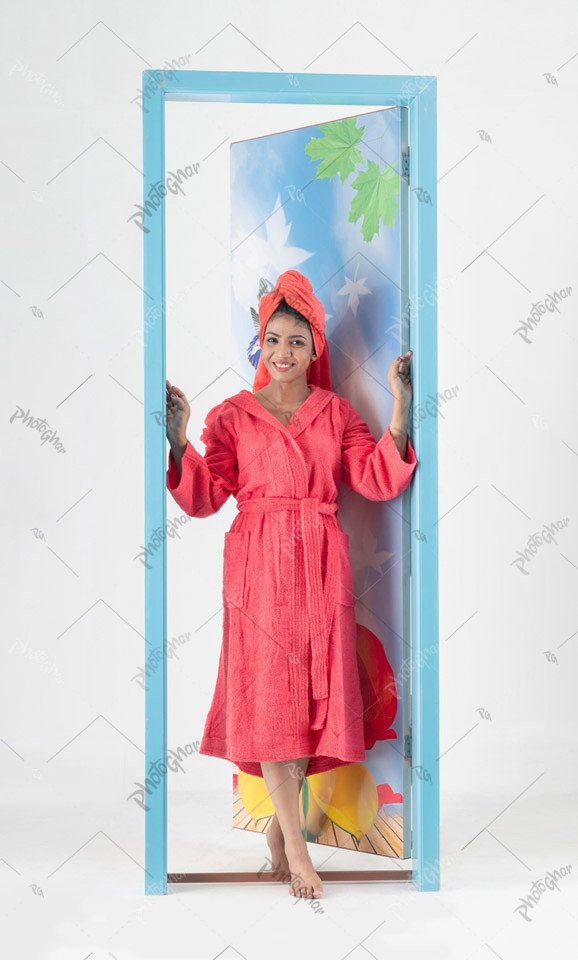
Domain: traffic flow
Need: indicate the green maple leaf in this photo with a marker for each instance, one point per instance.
(336, 148)
(375, 198)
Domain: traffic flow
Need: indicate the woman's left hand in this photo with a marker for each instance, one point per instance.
(399, 379)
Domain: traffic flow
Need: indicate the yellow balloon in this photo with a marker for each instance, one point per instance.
(348, 795)
(254, 796)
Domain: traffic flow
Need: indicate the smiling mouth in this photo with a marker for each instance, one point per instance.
(282, 366)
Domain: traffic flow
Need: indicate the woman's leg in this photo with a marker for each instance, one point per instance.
(276, 844)
(284, 780)
(274, 835)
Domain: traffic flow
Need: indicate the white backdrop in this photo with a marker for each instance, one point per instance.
(71, 294)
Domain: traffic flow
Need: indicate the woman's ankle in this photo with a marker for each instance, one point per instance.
(296, 846)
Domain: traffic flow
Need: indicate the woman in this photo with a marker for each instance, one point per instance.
(287, 699)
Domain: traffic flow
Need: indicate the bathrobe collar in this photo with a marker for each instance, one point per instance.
(309, 409)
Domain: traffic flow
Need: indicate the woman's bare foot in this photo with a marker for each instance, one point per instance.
(305, 882)
(276, 844)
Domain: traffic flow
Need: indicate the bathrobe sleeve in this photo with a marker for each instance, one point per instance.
(373, 468)
(207, 481)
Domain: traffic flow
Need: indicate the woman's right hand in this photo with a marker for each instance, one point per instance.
(178, 413)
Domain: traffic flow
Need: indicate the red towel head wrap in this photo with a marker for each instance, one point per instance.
(298, 293)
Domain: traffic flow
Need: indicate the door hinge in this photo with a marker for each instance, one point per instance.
(407, 746)
(405, 164)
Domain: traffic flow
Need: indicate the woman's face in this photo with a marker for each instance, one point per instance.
(287, 348)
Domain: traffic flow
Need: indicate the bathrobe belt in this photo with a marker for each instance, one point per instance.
(320, 600)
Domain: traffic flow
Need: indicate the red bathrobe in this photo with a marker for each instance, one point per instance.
(287, 684)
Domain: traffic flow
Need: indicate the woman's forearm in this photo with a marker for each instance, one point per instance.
(178, 448)
(399, 425)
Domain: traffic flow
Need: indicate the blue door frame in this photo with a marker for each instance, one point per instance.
(418, 94)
